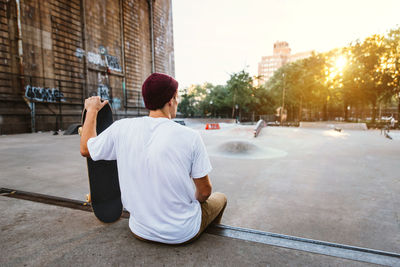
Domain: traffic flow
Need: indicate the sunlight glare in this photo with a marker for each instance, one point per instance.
(340, 63)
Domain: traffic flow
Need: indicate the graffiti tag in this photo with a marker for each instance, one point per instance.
(116, 103)
(95, 59)
(79, 53)
(43, 94)
(102, 91)
(112, 63)
(102, 50)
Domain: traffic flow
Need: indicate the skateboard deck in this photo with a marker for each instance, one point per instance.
(105, 193)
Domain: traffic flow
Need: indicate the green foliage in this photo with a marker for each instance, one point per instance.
(186, 105)
(364, 75)
(240, 91)
(221, 100)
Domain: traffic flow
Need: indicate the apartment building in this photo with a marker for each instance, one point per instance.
(280, 56)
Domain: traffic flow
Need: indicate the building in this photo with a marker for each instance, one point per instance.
(56, 53)
(281, 55)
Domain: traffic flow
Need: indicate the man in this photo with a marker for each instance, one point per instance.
(163, 166)
(392, 122)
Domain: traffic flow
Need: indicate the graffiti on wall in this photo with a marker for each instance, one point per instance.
(95, 59)
(103, 92)
(102, 50)
(79, 53)
(116, 103)
(112, 63)
(41, 94)
(103, 59)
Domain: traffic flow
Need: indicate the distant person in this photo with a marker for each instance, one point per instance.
(163, 166)
(392, 122)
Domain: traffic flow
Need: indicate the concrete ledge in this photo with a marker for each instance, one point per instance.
(334, 124)
(206, 120)
(39, 234)
(308, 245)
(292, 242)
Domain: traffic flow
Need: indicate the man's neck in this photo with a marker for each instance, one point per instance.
(159, 113)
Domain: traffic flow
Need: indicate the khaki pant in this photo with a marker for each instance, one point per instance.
(211, 212)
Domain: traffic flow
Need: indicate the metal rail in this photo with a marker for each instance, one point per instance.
(309, 245)
(260, 124)
(286, 241)
(51, 200)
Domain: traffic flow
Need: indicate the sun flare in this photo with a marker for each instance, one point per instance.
(340, 63)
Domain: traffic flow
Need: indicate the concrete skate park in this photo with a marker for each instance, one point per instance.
(311, 183)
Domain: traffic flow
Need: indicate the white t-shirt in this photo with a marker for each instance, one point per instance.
(157, 159)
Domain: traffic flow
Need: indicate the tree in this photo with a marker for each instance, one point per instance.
(241, 91)
(303, 84)
(217, 101)
(186, 105)
(368, 57)
(391, 64)
(364, 74)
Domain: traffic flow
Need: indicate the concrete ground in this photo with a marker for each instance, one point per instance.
(34, 234)
(319, 184)
(341, 187)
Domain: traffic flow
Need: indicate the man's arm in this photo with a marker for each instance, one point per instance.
(92, 106)
(203, 188)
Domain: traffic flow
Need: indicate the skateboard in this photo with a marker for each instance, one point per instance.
(105, 193)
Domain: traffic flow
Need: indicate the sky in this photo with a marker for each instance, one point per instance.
(215, 38)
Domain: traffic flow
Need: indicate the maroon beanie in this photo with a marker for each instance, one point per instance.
(157, 90)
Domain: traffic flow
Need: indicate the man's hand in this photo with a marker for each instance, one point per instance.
(94, 103)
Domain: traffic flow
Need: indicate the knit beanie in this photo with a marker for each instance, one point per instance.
(158, 89)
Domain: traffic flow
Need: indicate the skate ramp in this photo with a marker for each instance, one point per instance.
(238, 147)
(245, 150)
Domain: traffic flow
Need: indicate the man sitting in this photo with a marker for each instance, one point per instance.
(162, 166)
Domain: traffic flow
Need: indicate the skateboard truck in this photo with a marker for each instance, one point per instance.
(88, 199)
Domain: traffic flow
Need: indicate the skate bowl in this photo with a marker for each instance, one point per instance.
(333, 125)
(245, 150)
(238, 147)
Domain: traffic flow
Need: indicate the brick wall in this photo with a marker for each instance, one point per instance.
(163, 37)
(72, 49)
(137, 48)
